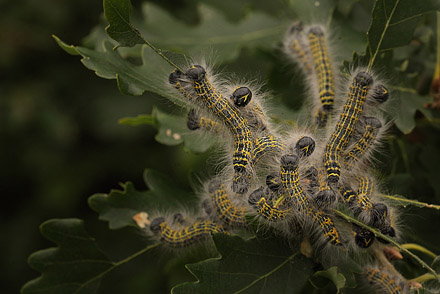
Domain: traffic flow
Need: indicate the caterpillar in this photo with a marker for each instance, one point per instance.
(227, 212)
(305, 146)
(296, 49)
(195, 122)
(273, 182)
(324, 72)
(380, 93)
(264, 145)
(186, 236)
(382, 282)
(253, 113)
(290, 180)
(236, 124)
(258, 200)
(177, 79)
(338, 141)
(372, 125)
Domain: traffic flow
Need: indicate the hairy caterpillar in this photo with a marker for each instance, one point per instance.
(236, 124)
(362, 237)
(290, 179)
(226, 211)
(382, 282)
(258, 200)
(372, 125)
(195, 122)
(264, 145)
(296, 49)
(339, 138)
(186, 236)
(324, 72)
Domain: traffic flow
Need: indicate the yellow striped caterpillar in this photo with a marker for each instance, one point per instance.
(372, 125)
(290, 179)
(236, 124)
(186, 236)
(296, 49)
(383, 283)
(349, 116)
(265, 209)
(264, 145)
(226, 211)
(195, 122)
(324, 72)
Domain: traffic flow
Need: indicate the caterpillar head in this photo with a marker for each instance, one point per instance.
(175, 77)
(296, 28)
(289, 161)
(241, 96)
(325, 198)
(155, 224)
(380, 94)
(255, 196)
(196, 73)
(363, 78)
(193, 120)
(362, 237)
(305, 146)
(273, 182)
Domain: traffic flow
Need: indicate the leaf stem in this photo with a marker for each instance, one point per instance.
(423, 278)
(371, 62)
(267, 274)
(413, 246)
(115, 265)
(386, 238)
(437, 64)
(410, 201)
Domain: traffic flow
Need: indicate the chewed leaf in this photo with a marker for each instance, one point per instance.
(172, 130)
(252, 266)
(320, 279)
(117, 13)
(75, 266)
(119, 206)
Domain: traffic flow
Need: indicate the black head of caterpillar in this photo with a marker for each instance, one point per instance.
(175, 77)
(196, 73)
(241, 96)
(305, 146)
(193, 120)
(273, 182)
(380, 93)
(257, 199)
(325, 198)
(296, 28)
(362, 237)
(289, 162)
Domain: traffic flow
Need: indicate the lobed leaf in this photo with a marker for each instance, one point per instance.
(75, 266)
(251, 266)
(119, 206)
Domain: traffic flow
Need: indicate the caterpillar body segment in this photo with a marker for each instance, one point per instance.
(236, 124)
(226, 211)
(264, 145)
(289, 175)
(184, 236)
(383, 283)
(295, 48)
(321, 117)
(365, 190)
(364, 143)
(323, 67)
(265, 209)
(339, 139)
(194, 122)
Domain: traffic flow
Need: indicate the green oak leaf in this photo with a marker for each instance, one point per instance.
(320, 279)
(393, 23)
(172, 130)
(75, 266)
(251, 266)
(117, 13)
(119, 206)
(132, 79)
(214, 33)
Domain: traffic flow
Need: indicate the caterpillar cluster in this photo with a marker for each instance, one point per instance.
(289, 181)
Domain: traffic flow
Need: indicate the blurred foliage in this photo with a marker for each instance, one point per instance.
(66, 143)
